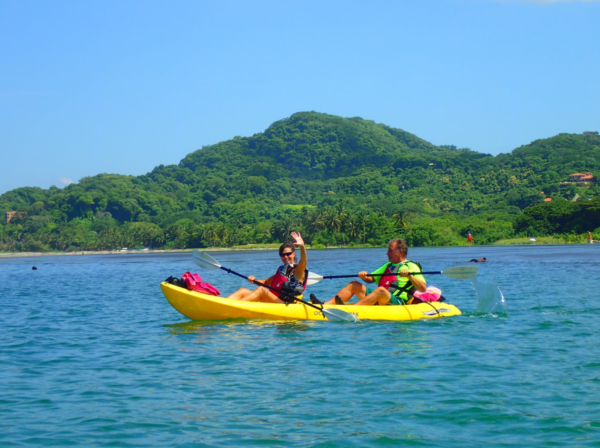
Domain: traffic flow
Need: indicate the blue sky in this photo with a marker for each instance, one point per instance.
(88, 87)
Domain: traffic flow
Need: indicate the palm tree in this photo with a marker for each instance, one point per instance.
(353, 226)
(210, 233)
(283, 227)
(331, 220)
(342, 216)
(222, 234)
(361, 218)
(316, 221)
(400, 218)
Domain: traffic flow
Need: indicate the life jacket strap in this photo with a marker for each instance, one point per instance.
(406, 288)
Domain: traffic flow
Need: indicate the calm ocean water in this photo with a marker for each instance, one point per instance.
(92, 354)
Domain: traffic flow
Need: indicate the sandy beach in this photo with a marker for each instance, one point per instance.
(272, 246)
(87, 252)
(135, 252)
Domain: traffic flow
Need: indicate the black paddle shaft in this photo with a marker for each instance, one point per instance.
(381, 275)
(271, 288)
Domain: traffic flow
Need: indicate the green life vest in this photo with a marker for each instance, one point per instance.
(400, 288)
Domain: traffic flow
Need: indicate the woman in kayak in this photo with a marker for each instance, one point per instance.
(289, 280)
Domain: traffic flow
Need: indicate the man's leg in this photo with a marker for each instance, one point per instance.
(381, 296)
(353, 288)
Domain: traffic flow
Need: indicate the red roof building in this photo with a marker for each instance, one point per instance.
(579, 177)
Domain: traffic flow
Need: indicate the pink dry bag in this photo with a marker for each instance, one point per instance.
(431, 294)
(194, 283)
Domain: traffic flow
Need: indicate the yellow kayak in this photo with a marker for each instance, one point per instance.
(200, 306)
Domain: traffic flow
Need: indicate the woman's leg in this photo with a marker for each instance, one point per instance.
(261, 294)
(240, 294)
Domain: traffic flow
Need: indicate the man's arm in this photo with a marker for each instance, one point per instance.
(418, 280)
(370, 278)
(366, 277)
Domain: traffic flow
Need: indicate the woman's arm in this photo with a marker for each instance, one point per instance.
(267, 281)
(300, 267)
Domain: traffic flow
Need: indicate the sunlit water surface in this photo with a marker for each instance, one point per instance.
(92, 354)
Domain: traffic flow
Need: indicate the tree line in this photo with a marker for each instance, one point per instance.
(340, 181)
(340, 225)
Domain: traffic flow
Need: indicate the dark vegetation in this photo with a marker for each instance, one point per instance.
(340, 181)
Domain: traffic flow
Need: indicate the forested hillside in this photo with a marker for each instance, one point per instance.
(339, 180)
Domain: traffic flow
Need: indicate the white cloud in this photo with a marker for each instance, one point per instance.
(63, 182)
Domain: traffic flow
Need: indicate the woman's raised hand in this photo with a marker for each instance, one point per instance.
(298, 241)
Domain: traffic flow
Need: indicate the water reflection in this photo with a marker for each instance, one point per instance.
(196, 326)
(285, 328)
(202, 326)
(408, 339)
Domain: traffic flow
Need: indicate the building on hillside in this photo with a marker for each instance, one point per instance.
(11, 215)
(581, 177)
(548, 200)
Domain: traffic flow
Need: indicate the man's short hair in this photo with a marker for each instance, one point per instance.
(401, 244)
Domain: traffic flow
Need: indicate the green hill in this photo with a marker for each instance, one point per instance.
(339, 180)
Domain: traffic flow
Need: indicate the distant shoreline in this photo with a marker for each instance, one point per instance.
(117, 252)
(505, 242)
(135, 252)
(84, 252)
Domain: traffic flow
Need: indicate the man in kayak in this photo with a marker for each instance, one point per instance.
(394, 289)
(289, 280)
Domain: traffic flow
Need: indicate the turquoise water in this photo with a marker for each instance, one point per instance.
(92, 354)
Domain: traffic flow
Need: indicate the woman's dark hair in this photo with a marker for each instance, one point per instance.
(286, 245)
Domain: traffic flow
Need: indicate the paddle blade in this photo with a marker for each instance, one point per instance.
(313, 278)
(205, 261)
(334, 315)
(460, 272)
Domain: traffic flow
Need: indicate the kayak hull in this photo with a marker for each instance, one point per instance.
(198, 306)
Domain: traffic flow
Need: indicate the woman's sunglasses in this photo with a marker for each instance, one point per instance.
(286, 254)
